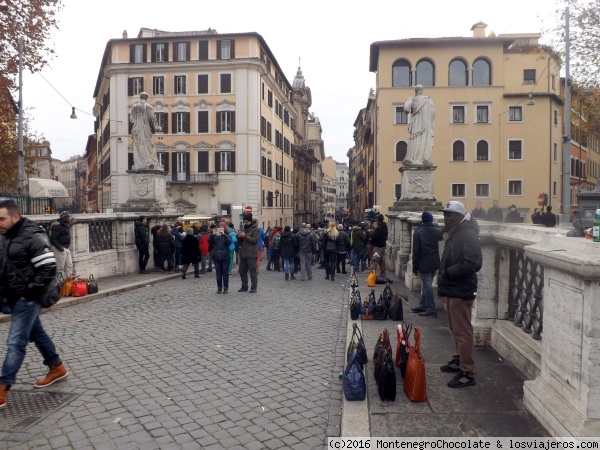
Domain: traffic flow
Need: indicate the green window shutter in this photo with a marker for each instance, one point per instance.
(203, 50)
(217, 162)
(187, 122)
(130, 161)
(232, 43)
(202, 121)
(218, 122)
(174, 166)
(233, 121)
(202, 162)
(219, 49)
(232, 161)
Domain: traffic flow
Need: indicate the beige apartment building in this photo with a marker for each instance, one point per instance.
(498, 118)
(227, 116)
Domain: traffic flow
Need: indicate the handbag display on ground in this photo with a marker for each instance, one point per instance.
(79, 288)
(403, 348)
(380, 311)
(396, 310)
(367, 307)
(385, 376)
(355, 305)
(353, 281)
(354, 384)
(92, 285)
(65, 289)
(414, 379)
(357, 344)
(372, 279)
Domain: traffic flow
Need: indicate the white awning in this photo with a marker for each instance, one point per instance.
(40, 187)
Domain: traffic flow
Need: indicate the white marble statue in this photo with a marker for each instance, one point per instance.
(420, 126)
(141, 115)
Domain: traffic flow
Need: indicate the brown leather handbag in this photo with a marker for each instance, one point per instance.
(414, 379)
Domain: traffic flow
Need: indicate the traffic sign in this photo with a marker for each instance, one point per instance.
(248, 209)
(542, 199)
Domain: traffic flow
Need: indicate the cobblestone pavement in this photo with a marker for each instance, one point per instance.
(175, 366)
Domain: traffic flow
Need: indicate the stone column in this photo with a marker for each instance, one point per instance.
(565, 398)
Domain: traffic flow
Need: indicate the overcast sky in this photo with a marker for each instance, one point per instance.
(331, 37)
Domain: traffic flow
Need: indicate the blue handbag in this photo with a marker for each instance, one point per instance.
(355, 387)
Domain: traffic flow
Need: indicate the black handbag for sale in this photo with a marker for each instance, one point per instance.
(355, 305)
(357, 344)
(395, 310)
(380, 311)
(385, 376)
(92, 285)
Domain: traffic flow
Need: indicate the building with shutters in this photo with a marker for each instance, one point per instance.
(498, 118)
(227, 115)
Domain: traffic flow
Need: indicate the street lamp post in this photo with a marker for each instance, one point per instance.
(20, 159)
(566, 154)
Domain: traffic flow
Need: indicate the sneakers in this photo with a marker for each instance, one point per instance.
(55, 373)
(460, 380)
(452, 366)
(3, 391)
(252, 291)
(243, 289)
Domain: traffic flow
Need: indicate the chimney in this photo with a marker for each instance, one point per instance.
(124, 34)
(479, 29)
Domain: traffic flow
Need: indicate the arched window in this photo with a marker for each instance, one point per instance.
(483, 151)
(425, 73)
(458, 151)
(482, 74)
(457, 73)
(401, 74)
(401, 149)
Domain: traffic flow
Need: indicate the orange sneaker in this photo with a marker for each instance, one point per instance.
(3, 391)
(55, 373)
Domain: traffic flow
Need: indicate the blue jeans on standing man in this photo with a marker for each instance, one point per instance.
(427, 296)
(288, 265)
(25, 327)
(222, 269)
(357, 258)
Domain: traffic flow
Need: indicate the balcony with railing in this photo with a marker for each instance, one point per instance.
(194, 178)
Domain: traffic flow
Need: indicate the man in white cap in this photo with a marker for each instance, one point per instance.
(457, 282)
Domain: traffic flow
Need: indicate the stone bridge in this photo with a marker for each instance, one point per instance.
(538, 305)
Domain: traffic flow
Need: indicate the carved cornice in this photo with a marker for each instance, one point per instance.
(202, 145)
(202, 104)
(225, 146)
(181, 146)
(225, 105)
(180, 105)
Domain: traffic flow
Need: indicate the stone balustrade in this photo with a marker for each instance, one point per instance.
(104, 244)
(538, 305)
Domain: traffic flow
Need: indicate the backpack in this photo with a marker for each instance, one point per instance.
(277, 241)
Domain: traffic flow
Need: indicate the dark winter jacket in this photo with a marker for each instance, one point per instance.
(141, 235)
(426, 254)
(358, 239)
(495, 214)
(328, 243)
(307, 240)
(548, 219)
(165, 243)
(513, 217)
(27, 246)
(190, 252)
(379, 235)
(220, 245)
(288, 245)
(178, 239)
(60, 237)
(248, 244)
(461, 261)
(343, 243)
(479, 213)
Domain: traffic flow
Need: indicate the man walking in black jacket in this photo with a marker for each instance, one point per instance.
(378, 240)
(142, 242)
(426, 261)
(27, 267)
(457, 281)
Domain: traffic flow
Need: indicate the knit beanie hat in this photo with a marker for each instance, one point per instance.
(426, 217)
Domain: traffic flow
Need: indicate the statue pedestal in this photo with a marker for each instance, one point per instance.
(147, 192)
(417, 189)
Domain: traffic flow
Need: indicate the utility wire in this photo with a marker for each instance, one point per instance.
(70, 104)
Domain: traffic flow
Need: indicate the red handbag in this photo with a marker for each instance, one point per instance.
(414, 379)
(79, 287)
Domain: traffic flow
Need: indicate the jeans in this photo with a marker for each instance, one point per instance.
(143, 257)
(330, 261)
(178, 259)
(162, 257)
(427, 295)
(356, 259)
(288, 265)
(248, 265)
(25, 326)
(222, 269)
(231, 258)
(305, 265)
(341, 261)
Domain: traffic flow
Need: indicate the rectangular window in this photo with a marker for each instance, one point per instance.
(181, 166)
(182, 51)
(225, 121)
(483, 114)
(225, 83)
(136, 86)
(203, 50)
(159, 52)
(202, 121)
(180, 85)
(225, 49)
(401, 115)
(458, 114)
(514, 187)
(515, 150)
(263, 127)
(163, 159)
(202, 84)
(554, 188)
(555, 117)
(202, 162)
(158, 85)
(397, 191)
(162, 122)
(181, 122)
(482, 190)
(269, 132)
(515, 113)
(263, 166)
(277, 108)
(458, 190)
(270, 98)
(226, 164)
(529, 76)
(137, 53)
(270, 168)
(555, 152)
